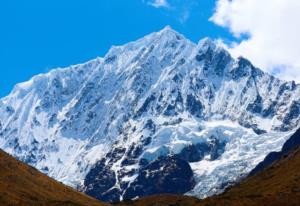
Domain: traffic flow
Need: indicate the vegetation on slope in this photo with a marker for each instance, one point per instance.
(22, 185)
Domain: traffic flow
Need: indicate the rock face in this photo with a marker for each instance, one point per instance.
(165, 175)
(99, 126)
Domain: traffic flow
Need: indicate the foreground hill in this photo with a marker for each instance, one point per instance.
(23, 185)
(277, 185)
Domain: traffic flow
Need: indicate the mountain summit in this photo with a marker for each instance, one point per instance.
(158, 115)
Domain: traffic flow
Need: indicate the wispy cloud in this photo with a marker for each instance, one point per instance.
(159, 3)
(180, 9)
(184, 16)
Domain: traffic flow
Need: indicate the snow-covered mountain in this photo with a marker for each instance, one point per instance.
(158, 115)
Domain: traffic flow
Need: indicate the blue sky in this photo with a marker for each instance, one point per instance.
(36, 36)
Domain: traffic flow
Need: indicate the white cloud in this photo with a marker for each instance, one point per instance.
(273, 30)
(178, 9)
(159, 3)
(185, 15)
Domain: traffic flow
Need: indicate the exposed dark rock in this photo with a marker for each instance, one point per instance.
(90, 116)
(132, 155)
(150, 125)
(146, 141)
(57, 83)
(165, 175)
(193, 105)
(170, 110)
(217, 148)
(242, 70)
(99, 181)
(220, 62)
(194, 153)
(10, 110)
(115, 154)
(256, 106)
(285, 87)
(205, 55)
(52, 120)
(294, 112)
(112, 195)
(248, 124)
(269, 111)
(110, 59)
(35, 122)
(146, 104)
(46, 101)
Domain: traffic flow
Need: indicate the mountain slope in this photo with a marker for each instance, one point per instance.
(159, 102)
(292, 143)
(21, 185)
(277, 185)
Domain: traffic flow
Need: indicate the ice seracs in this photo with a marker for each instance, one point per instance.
(159, 102)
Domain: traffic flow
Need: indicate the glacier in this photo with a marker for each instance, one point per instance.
(161, 96)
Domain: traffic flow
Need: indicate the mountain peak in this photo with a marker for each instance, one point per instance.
(207, 42)
(169, 33)
(167, 29)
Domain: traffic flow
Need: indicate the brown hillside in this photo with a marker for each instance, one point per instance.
(22, 185)
(278, 185)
